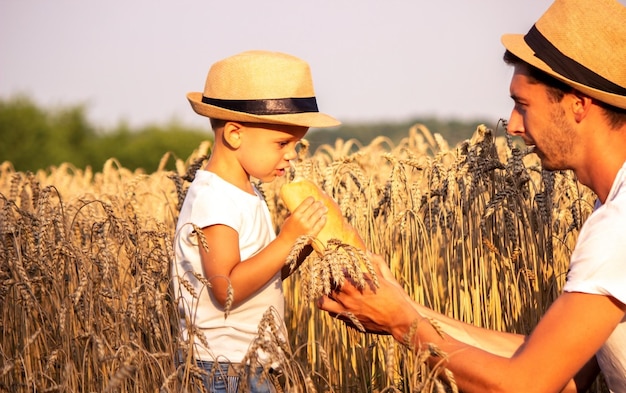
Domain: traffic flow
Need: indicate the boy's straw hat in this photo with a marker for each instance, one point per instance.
(261, 87)
(582, 43)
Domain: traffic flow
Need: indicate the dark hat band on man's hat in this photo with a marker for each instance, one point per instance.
(566, 66)
(582, 43)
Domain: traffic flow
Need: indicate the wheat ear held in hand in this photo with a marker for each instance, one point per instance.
(337, 227)
(336, 260)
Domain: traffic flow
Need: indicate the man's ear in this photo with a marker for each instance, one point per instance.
(581, 104)
(232, 134)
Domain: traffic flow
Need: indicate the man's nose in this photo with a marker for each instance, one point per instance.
(515, 125)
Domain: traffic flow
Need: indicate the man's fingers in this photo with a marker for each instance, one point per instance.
(331, 306)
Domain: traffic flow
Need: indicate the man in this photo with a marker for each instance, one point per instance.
(569, 90)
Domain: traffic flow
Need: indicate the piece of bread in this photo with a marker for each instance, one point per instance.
(336, 227)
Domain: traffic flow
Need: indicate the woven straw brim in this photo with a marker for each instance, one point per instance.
(515, 44)
(305, 119)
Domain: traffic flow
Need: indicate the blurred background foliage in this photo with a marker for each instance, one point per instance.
(34, 137)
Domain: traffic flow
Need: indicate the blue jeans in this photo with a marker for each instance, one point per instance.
(224, 379)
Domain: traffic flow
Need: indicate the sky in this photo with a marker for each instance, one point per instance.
(133, 61)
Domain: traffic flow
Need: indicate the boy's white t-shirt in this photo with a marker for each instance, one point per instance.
(211, 200)
(598, 266)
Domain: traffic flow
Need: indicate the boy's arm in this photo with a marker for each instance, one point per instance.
(231, 277)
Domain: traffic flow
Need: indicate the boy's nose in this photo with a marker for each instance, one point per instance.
(292, 154)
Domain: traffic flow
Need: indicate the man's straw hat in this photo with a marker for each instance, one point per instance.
(582, 43)
(261, 87)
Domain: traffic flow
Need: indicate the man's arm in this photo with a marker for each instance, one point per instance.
(558, 355)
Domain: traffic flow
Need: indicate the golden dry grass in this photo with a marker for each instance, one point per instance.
(476, 231)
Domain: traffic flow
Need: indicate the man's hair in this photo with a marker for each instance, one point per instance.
(616, 116)
(557, 89)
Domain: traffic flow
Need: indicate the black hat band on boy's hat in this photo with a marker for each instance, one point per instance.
(276, 106)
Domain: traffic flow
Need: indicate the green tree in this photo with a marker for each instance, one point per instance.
(33, 138)
(145, 148)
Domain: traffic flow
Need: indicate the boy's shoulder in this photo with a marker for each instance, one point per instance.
(207, 182)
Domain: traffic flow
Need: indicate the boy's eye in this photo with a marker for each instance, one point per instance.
(289, 143)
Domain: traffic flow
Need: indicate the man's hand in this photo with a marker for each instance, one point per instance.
(382, 309)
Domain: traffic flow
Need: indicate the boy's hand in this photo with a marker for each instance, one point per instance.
(307, 219)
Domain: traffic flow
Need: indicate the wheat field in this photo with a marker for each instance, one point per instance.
(476, 231)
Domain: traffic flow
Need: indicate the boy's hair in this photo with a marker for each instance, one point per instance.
(556, 90)
(217, 123)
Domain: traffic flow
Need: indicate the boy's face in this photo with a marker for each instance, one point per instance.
(266, 149)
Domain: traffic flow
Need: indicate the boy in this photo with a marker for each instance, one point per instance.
(260, 105)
